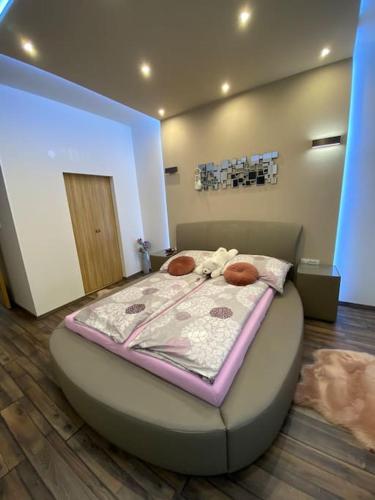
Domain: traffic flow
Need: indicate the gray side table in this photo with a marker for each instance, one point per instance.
(319, 288)
(158, 258)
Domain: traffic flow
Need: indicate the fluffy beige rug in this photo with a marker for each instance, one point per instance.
(341, 386)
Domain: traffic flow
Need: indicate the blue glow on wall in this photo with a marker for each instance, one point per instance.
(351, 250)
(346, 194)
(4, 7)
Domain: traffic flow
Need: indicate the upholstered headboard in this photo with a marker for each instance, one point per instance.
(276, 239)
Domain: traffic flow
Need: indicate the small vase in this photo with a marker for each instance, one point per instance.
(146, 264)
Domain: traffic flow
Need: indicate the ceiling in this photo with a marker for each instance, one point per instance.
(192, 46)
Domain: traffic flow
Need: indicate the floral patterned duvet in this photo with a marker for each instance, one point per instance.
(118, 315)
(198, 333)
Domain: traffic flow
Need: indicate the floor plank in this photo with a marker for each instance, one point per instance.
(10, 453)
(266, 484)
(8, 385)
(38, 419)
(230, 488)
(117, 480)
(322, 484)
(82, 471)
(333, 440)
(201, 489)
(344, 471)
(12, 488)
(135, 468)
(33, 482)
(53, 414)
(56, 473)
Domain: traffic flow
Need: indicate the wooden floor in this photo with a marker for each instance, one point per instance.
(46, 451)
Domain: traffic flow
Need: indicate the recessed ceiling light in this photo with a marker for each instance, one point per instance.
(28, 47)
(146, 70)
(161, 112)
(325, 52)
(225, 87)
(244, 18)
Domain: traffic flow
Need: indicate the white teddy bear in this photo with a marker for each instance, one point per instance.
(214, 265)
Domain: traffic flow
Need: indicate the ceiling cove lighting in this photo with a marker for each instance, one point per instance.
(325, 52)
(244, 18)
(146, 70)
(161, 112)
(326, 142)
(225, 87)
(4, 7)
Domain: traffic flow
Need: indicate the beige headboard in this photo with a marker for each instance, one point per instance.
(276, 239)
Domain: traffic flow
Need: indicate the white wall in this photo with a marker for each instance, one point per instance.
(39, 140)
(355, 246)
(87, 133)
(12, 252)
(145, 133)
(151, 183)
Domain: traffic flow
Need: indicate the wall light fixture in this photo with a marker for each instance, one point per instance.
(327, 141)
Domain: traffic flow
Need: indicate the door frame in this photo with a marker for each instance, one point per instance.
(116, 217)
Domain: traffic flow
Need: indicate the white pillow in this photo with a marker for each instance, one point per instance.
(198, 255)
(271, 271)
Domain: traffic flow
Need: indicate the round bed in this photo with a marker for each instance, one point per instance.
(162, 424)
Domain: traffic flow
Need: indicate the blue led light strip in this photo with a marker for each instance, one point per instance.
(350, 193)
(4, 6)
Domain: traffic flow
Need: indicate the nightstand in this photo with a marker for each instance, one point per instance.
(158, 258)
(319, 288)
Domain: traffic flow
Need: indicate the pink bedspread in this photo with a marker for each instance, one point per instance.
(212, 393)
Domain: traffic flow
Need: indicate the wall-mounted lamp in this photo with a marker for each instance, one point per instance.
(327, 141)
(171, 170)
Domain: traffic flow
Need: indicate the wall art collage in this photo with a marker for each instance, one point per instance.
(256, 170)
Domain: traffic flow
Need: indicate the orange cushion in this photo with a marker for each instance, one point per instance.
(181, 265)
(241, 274)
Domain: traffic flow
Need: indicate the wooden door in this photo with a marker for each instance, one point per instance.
(95, 229)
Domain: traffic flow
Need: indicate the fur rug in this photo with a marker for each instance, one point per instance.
(341, 386)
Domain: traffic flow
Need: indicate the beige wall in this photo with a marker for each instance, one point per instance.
(283, 116)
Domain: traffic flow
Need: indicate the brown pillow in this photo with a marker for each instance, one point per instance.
(241, 274)
(181, 265)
